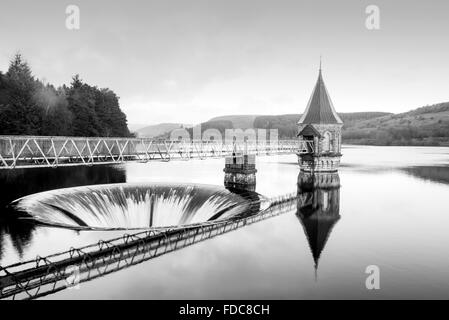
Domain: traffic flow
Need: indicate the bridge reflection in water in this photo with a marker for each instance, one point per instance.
(46, 275)
(318, 208)
(316, 203)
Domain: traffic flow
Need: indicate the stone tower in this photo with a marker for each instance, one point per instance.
(319, 133)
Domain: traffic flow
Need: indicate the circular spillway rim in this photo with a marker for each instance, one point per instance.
(28, 217)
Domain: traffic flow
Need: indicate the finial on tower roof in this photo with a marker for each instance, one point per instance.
(320, 62)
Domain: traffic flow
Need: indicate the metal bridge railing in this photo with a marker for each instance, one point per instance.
(45, 275)
(34, 151)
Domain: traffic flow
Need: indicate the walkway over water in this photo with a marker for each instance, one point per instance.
(36, 151)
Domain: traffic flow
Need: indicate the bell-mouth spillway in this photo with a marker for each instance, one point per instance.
(127, 206)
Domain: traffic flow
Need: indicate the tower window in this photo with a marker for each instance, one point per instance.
(327, 142)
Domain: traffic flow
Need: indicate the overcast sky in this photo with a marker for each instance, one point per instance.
(188, 60)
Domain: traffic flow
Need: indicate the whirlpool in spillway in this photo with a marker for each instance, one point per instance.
(137, 206)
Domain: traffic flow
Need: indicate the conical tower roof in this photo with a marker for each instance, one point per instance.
(320, 109)
(317, 230)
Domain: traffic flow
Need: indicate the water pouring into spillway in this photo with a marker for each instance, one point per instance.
(136, 206)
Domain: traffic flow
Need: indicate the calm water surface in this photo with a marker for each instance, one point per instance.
(391, 211)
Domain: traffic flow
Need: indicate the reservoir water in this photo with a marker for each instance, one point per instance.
(388, 207)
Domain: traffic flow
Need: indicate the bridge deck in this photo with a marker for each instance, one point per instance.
(35, 151)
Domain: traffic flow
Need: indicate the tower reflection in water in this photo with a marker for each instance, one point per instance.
(318, 208)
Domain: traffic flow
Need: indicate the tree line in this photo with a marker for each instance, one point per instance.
(30, 107)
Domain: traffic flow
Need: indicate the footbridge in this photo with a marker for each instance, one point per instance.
(40, 151)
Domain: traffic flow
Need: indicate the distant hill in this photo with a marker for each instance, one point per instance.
(238, 121)
(286, 124)
(157, 129)
(133, 127)
(425, 126)
(352, 118)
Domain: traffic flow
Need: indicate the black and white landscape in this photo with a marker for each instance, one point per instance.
(253, 150)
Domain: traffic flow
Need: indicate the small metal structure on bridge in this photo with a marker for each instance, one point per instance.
(38, 151)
